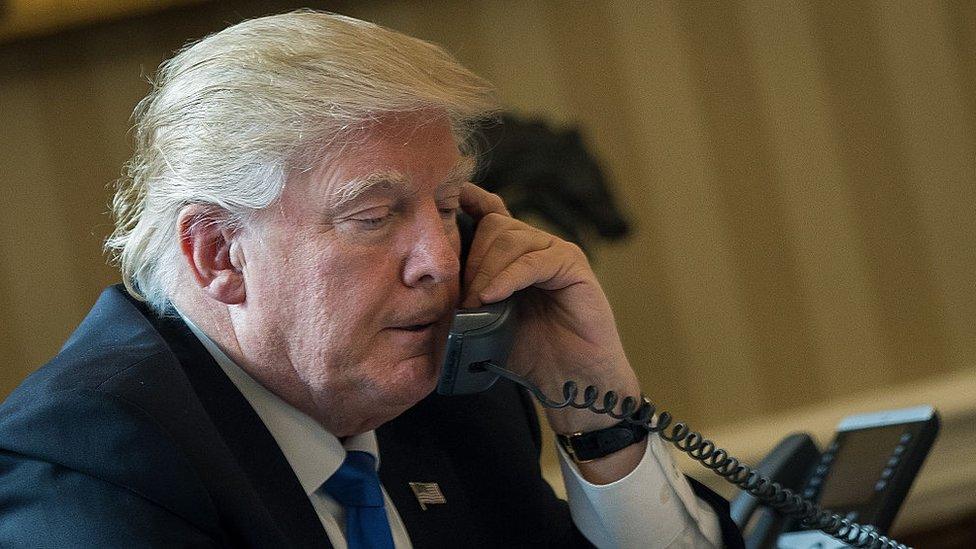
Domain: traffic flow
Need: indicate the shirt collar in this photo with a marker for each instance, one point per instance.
(313, 453)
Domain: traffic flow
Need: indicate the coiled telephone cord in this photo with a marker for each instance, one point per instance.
(711, 456)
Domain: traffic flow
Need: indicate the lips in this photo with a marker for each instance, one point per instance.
(418, 335)
(419, 320)
(416, 327)
(414, 339)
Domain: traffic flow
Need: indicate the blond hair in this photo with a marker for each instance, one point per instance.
(231, 116)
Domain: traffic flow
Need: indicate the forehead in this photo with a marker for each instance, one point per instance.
(409, 152)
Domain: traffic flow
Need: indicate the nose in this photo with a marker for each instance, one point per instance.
(432, 250)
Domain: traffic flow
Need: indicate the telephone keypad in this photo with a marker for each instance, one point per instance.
(820, 473)
(813, 484)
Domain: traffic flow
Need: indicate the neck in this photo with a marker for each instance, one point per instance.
(212, 319)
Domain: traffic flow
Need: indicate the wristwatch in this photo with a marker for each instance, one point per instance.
(584, 447)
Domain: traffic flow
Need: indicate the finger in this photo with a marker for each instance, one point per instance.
(478, 202)
(547, 269)
(506, 248)
(487, 230)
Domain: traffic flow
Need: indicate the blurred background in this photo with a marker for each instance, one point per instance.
(799, 177)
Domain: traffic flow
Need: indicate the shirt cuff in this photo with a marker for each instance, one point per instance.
(652, 506)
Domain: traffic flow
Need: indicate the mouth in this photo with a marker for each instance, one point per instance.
(419, 321)
(416, 327)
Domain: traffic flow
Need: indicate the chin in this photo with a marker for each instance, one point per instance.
(402, 386)
(386, 406)
(397, 403)
(418, 379)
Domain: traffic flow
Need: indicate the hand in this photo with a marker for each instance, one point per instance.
(566, 327)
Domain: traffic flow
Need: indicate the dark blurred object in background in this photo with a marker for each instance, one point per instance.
(548, 174)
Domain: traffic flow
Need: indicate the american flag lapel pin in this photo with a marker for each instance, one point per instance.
(428, 493)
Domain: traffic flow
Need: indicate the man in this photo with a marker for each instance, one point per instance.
(288, 229)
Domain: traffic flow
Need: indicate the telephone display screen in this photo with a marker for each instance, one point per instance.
(861, 457)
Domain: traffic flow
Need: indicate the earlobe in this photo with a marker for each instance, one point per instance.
(212, 253)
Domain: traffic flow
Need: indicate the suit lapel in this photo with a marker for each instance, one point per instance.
(410, 452)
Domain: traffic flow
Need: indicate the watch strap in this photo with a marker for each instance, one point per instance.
(583, 447)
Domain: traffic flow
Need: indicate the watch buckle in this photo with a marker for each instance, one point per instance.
(567, 444)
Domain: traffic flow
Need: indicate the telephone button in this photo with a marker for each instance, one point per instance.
(827, 457)
(905, 438)
(881, 485)
(886, 474)
(899, 450)
(851, 516)
(809, 493)
(892, 462)
(815, 481)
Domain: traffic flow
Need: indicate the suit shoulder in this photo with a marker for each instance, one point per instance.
(111, 406)
(115, 339)
(106, 437)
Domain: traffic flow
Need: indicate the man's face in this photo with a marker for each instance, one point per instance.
(351, 279)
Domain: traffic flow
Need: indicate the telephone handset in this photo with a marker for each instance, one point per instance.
(477, 335)
(477, 351)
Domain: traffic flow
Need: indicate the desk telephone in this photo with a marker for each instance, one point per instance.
(792, 499)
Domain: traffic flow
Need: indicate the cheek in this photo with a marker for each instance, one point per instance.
(346, 289)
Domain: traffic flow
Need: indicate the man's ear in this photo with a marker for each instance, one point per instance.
(212, 252)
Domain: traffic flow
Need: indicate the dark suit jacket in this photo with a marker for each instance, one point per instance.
(133, 437)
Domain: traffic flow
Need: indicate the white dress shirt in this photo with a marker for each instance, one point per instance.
(652, 506)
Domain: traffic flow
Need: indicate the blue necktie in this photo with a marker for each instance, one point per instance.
(356, 487)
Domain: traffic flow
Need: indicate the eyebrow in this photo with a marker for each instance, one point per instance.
(396, 182)
(355, 188)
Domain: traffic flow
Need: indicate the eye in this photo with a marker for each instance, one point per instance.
(372, 218)
(449, 207)
(375, 222)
